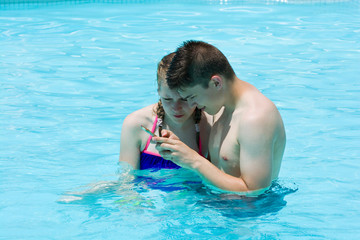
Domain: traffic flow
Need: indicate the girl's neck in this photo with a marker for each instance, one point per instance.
(171, 125)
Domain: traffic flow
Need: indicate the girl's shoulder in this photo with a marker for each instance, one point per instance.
(143, 116)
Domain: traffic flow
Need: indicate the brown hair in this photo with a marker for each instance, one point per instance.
(162, 68)
(195, 62)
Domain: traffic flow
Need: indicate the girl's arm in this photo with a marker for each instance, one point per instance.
(130, 142)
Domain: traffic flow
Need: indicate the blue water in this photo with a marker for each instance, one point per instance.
(70, 72)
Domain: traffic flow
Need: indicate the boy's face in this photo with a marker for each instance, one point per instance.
(202, 98)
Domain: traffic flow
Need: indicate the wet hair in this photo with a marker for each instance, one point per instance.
(162, 68)
(195, 62)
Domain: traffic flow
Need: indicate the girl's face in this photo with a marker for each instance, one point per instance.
(175, 107)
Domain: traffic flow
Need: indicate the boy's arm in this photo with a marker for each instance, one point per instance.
(255, 154)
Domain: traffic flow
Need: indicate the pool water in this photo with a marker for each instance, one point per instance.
(70, 72)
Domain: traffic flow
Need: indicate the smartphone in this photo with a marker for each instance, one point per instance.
(148, 131)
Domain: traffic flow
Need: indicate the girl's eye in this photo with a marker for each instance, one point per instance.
(183, 99)
(167, 99)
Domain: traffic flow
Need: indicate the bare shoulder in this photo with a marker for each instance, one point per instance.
(131, 133)
(259, 117)
(139, 117)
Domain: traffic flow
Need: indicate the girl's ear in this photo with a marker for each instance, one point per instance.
(216, 81)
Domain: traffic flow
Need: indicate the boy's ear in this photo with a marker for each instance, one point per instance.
(216, 81)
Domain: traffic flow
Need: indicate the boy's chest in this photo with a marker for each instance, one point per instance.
(224, 148)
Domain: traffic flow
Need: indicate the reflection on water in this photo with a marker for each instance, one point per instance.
(233, 205)
(177, 191)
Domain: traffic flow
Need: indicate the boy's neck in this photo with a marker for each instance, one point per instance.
(233, 90)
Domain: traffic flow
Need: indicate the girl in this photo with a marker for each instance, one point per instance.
(171, 112)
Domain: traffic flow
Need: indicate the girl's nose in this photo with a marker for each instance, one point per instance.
(177, 105)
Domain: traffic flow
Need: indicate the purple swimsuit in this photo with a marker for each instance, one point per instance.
(150, 160)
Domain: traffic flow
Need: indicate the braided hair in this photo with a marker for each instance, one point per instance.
(160, 112)
(197, 119)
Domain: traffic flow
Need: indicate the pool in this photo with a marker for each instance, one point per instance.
(70, 71)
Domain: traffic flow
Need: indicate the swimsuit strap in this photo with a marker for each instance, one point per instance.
(152, 130)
